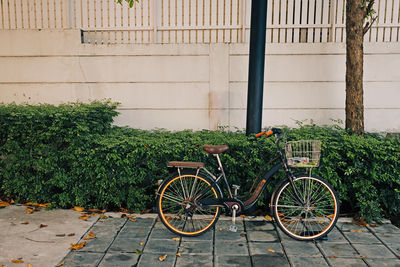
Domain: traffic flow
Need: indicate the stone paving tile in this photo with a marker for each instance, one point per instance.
(231, 248)
(164, 246)
(301, 248)
(232, 261)
(389, 238)
(373, 251)
(131, 232)
(383, 262)
(105, 230)
(395, 248)
(198, 247)
(225, 224)
(258, 248)
(259, 226)
(207, 236)
(140, 223)
(116, 222)
(338, 250)
(363, 237)
(269, 260)
(239, 236)
(340, 262)
(306, 261)
(151, 259)
(385, 229)
(119, 238)
(127, 245)
(194, 260)
(162, 234)
(98, 244)
(119, 260)
(75, 259)
(263, 236)
(348, 226)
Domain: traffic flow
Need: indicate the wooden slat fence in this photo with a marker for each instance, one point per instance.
(196, 21)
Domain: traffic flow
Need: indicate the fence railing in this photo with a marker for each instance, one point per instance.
(196, 21)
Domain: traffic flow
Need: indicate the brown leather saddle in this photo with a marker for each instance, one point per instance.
(215, 149)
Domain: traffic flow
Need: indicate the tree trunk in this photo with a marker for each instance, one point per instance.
(354, 66)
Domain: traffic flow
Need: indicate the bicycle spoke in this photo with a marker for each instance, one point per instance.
(312, 219)
(177, 199)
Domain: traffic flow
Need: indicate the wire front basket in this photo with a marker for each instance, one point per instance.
(303, 153)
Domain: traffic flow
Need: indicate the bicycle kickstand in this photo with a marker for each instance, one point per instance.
(233, 227)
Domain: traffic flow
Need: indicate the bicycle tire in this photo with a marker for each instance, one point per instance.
(313, 220)
(174, 203)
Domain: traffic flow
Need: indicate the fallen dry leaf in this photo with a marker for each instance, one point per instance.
(4, 204)
(140, 231)
(132, 220)
(91, 234)
(78, 246)
(162, 258)
(363, 257)
(141, 243)
(102, 216)
(179, 254)
(60, 264)
(25, 223)
(42, 225)
(268, 218)
(130, 216)
(89, 237)
(17, 261)
(79, 208)
(60, 235)
(29, 211)
(332, 257)
(71, 234)
(373, 224)
(175, 238)
(243, 216)
(271, 250)
(30, 265)
(356, 231)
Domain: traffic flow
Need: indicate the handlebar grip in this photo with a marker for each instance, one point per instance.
(260, 134)
(269, 133)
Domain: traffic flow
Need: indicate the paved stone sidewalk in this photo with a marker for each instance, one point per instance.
(121, 242)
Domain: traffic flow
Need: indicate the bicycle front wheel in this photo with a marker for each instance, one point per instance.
(177, 209)
(312, 219)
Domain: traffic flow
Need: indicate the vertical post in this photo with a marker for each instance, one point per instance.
(332, 20)
(71, 14)
(155, 18)
(244, 16)
(256, 66)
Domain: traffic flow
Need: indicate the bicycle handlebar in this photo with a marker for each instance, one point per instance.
(270, 132)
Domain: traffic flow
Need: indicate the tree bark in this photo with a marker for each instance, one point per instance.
(354, 66)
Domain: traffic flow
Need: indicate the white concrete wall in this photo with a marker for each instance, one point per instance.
(196, 86)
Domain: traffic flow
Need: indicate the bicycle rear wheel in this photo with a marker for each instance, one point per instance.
(176, 207)
(311, 220)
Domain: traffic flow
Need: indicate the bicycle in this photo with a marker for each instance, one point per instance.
(304, 207)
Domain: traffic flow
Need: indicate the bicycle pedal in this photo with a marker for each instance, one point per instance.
(233, 228)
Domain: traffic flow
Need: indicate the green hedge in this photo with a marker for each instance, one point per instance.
(71, 156)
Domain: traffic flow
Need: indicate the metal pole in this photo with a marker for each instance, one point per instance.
(71, 14)
(256, 66)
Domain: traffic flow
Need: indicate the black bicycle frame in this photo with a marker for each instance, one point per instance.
(264, 181)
